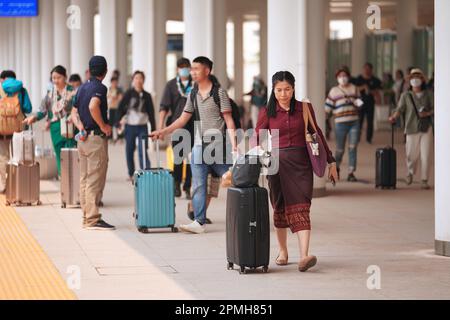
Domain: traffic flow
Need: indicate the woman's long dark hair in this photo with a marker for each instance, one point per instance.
(272, 104)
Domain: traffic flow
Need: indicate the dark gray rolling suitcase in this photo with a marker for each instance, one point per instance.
(248, 228)
(386, 166)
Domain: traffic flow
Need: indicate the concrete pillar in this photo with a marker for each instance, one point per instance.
(18, 47)
(123, 13)
(406, 23)
(4, 29)
(317, 70)
(143, 13)
(197, 16)
(26, 51)
(36, 78)
(359, 18)
(47, 43)
(160, 75)
(82, 38)
(11, 45)
(442, 118)
(108, 11)
(220, 41)
(61, 34)
(287, 40)
(238, 58)
(263, 45)
(205, 33)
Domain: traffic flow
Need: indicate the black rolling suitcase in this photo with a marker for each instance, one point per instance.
(386, 166)
(248, 228)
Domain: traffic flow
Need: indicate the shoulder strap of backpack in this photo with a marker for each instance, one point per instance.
(2, 92)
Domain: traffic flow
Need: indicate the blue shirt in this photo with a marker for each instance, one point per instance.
(91, 89)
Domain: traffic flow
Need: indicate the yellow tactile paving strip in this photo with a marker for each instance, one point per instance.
(26, 272)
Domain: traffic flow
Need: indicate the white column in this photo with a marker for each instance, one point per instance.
(108, 11)
(220, 41)
(263, 46)
(82, 39)
(442, 118)
(160, 72)
(47, 53)
(406, 22)
(4, 30)
(238, 58)
(359, 14)
(316, 70)
(18, 47)
(36, 78)
(287, 40)
(61, 34)
(143, 13)
(198, 22)
(11, 45)
(26, 51)
(123, 13)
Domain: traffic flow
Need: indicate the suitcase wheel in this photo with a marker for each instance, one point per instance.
(63, 205)
(230, 266)
(143, 230)
(7, 203)
(265, 269)
(39, 203)
(242, 270)
(174, 229)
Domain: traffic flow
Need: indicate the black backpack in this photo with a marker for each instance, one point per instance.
(235, 113)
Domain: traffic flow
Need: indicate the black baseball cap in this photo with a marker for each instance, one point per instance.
(98, 66)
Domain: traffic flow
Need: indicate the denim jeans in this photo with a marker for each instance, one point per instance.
(352, 130)
(200, 172)
(131, 133)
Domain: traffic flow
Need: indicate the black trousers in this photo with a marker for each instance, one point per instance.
(369, 112)
(178, 171)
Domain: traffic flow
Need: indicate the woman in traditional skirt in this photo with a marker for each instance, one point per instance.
(56, 107)
(291, 187)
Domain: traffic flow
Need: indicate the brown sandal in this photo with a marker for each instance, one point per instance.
(281, 262)
(307, 263)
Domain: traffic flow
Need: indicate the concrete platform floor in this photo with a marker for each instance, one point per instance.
(354, 227)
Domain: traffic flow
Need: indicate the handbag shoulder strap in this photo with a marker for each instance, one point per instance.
(414, 104)
(307, 117)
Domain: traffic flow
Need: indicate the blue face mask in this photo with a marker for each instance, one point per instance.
(184, 72)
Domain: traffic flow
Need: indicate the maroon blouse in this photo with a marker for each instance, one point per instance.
(291, 128)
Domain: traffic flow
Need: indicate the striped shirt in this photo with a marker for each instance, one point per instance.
(341, 102)
(211, 118)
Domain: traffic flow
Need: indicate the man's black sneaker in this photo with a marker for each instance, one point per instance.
(177, 190)
(351, 178)
(101, 225)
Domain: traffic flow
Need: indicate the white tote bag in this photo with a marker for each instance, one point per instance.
(23, 148)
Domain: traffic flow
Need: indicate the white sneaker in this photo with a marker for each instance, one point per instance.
(193, 227)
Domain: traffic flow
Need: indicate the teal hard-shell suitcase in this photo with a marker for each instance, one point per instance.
(154, 198)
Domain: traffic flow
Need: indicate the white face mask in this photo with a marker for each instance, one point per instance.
(416, 82)
(343, 81)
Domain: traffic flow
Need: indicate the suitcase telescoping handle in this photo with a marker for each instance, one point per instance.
(392, 132)
(144, 153)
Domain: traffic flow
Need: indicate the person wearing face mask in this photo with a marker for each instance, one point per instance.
(344, 104)
(136, 111)
(171, 107)
(417, 106)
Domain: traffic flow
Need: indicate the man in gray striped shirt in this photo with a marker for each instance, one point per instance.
(212, 111)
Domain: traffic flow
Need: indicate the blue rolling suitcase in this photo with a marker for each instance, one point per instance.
(154, 198)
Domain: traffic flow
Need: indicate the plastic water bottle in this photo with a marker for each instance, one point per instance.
(81, 136)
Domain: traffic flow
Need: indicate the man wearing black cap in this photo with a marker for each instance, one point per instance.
(90, 117)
